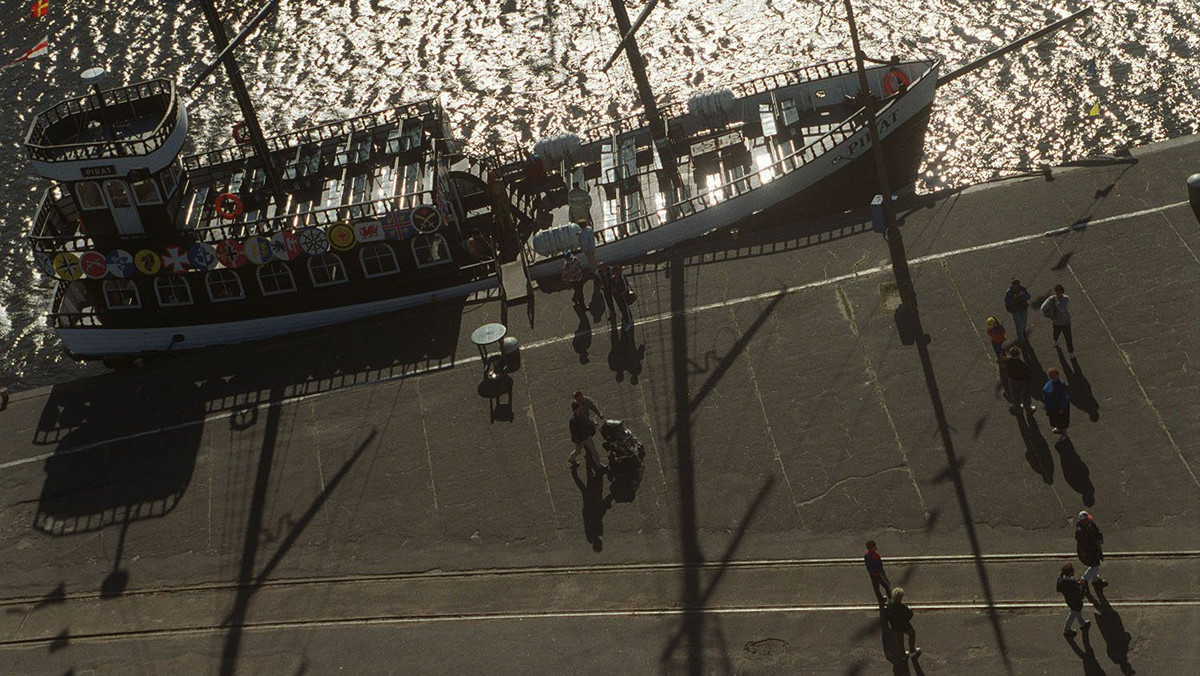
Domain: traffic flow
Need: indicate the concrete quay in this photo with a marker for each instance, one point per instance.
(347, 500)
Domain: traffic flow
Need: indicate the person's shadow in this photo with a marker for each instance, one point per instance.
(624, 354)
(582, 341)
(1037, 450)
(595, 504)
(1075, 471)
(893, 651)
(1079, 388)
(1117, 640)
(1091, 666)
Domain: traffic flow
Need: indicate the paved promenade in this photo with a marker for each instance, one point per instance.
(348, 500)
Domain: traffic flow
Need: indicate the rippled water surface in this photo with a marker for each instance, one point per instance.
(513, 70)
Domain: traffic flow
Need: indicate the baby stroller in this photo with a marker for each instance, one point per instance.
(625, 452)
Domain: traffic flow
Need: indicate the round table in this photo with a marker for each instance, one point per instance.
(488, 334)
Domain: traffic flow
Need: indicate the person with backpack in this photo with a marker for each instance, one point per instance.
(582, 431)
(572, 273)
(1016, 301)
(1089, 546)
(899, 618)
(1057, 309)
(1072, 592)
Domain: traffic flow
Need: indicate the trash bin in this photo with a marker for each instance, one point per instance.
(510, 349)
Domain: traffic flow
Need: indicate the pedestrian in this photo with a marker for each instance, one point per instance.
(1072, 591)
(587, 243)
(579, 204)
(1018, 380)
(1089, 546)
(582, 431)
(1057, 309)
(995, 334)
(623, 295)
(900, 619)
(1057, 402)
(604, 277)
(878, 577)
(1016, 301)
(588, 405)
(572, 273)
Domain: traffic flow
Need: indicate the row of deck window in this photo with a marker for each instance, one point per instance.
(275, 278)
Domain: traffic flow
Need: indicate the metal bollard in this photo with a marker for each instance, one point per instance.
(1193, 184)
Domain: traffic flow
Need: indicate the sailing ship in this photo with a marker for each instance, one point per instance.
(154, 251)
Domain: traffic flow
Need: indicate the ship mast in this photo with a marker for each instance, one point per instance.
(221, 40)
(658, 128)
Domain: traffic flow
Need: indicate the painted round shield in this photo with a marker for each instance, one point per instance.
(120, 264)
(313, 241)
(341, 237)
(426, 219)
(284, 245)
(175, 260)
(258, 249)
(202, 256)
(93, 264)
(66, 266)
(147, 262)
(231, 253)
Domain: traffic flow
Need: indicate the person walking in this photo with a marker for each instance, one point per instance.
(572, 273)
(1016, 301)
(1072, 591)
(1057, 309)
(878, 577)
(899, 618)
(588, 405)
(582, 431)
(604, 276)
(587, 243)
(1018, 380)
(1057, 402)
(579, 204)
(995, 334)
(1089, 546)
(622, 294)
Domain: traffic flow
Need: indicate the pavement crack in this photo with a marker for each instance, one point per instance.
(854, 477)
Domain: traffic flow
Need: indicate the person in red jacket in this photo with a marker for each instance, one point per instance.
(878, 577)
(995, 334)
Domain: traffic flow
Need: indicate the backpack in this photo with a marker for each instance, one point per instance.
(1050, 309)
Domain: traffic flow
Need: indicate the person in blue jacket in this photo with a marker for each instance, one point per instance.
(1016, 301)
(1057, 401)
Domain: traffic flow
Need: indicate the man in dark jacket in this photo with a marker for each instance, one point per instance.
(1016, 301)
(1089, 546)
(900, 619)
(1018, 379)
(582, 431)
(1072, 591)
(1057, 401)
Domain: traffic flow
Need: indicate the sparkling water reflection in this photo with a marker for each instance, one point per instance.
(513, 70)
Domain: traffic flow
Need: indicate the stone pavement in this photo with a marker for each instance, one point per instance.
(347, 499)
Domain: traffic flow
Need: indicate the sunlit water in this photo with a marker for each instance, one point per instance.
(512, 71)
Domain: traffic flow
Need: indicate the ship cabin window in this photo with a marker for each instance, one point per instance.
(224, 285)
(170, 179)
(327, 270)
(429, 250)
(121, 294)
(275, 278)
(146, 192)
(378, 260)
(173, 291)
(90, 197)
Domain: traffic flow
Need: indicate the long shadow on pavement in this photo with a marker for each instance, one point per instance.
(908, 323)
(1079, 388)
(595, 504)
(1112, 628)
(1037, 449)
(1076, 471)
(1091, 666)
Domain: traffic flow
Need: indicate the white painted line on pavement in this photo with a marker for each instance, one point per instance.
(654, 319)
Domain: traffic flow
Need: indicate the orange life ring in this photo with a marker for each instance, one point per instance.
(894, 81)
(228, 206)
(241, 133)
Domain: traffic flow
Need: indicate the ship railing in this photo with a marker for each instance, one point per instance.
(83, 107)
(337, 129)
(55, 225)
(69, 320)
(677, 109)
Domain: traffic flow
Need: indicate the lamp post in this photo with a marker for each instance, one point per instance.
(891, 232)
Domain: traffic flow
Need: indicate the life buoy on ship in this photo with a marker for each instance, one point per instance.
(228, 205)
(894, 81)
(241, 133)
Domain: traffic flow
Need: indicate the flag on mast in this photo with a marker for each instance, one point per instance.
(40, 49)
(40, 8)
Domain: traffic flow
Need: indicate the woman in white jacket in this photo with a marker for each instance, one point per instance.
(1057, 309)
